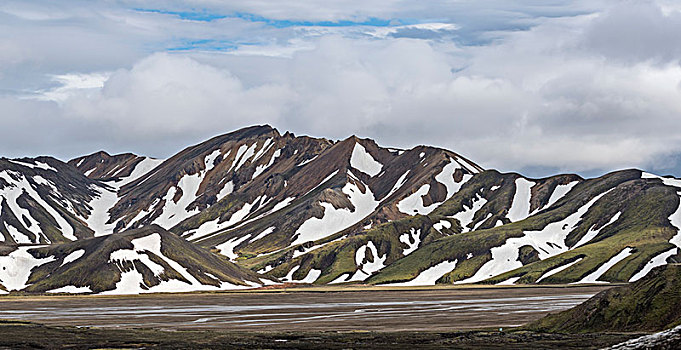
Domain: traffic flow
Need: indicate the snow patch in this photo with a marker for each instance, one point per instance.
(412, 239)
(247, 155)
(297, 253)
(307, 160)
(209, 160)
(441, 225)
(265, 147)
(174, 212)
(666, 180)
(366, 269)
(466, 216)
(227, 248)
(340, 279)
(560, 192)
(509, 282)
(71, 290)
(658, 260)
(557, 269)
(446, 177)
(266, 269)
(141, 169)
(16, 268)
(312, 276)
(520, 208)
(264, 233)
(226, 190)
(281, 205)
(594, 276)
(335, 220)
(429, 276)
(413, 204)
(213, 226)
(327, 178)
(400, 182)
(364, 162)
(591, 234)
(75, 255)
(261, 168)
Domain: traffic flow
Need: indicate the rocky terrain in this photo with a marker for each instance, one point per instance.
(255, 206)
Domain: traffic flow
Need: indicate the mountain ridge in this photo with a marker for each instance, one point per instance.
(313, 210)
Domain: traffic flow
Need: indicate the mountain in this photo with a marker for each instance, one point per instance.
(313, 210)
(43, 200)
(650, 304)
(144, 260)
(612, 229)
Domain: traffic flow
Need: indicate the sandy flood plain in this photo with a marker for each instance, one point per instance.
(305, 309)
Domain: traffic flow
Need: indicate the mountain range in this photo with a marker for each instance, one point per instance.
(255, 207)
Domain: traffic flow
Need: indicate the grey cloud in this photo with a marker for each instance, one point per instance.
(636, 31)
(539, 99)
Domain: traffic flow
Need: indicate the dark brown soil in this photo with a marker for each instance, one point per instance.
(35, 336)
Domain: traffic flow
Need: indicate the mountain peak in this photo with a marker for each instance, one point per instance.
(301, 208)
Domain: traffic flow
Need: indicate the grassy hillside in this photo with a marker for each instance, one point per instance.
(650, 304)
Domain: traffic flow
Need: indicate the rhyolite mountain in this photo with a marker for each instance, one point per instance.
(285, 208)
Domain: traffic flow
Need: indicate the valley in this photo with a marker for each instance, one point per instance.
(303, 309)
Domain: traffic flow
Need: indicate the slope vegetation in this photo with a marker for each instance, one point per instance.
(144, 260)
(650, 304)
(312, 210)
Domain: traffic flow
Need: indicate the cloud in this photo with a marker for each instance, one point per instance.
(542, 89)
(169, 96)
(636, 31)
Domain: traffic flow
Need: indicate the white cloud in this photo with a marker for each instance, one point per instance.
(164, 95)
(557, 95)
(70, 85)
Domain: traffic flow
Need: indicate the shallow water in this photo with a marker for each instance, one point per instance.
(370, 310)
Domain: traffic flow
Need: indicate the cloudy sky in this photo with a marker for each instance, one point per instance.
(532, 86)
